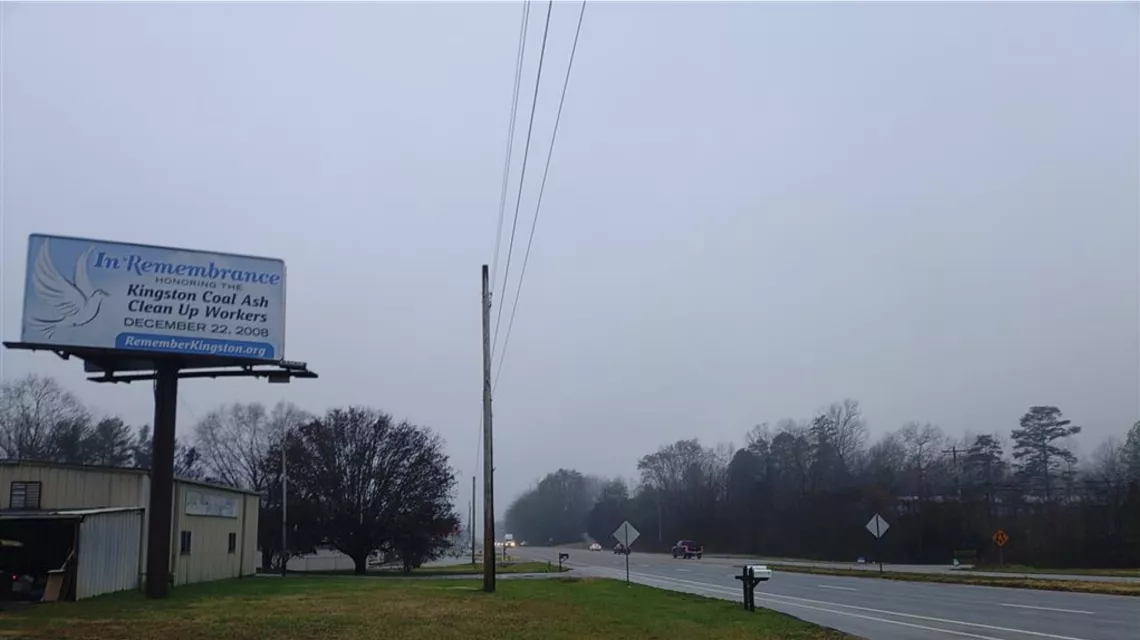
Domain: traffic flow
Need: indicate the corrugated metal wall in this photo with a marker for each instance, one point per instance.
(209, 557)
(108, 553)
(75, 488)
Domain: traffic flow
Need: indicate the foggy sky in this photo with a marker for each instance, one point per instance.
(753, 209)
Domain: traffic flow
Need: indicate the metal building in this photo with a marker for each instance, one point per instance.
(92, 520)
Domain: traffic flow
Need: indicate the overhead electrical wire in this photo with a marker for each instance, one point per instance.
(510, 139)
(522, 172)
(519, 57)
(541, 191)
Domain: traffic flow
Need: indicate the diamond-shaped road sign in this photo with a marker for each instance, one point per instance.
(1000, 538)
(877, 526)
(626, 534)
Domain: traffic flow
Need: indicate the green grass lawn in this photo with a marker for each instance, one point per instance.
(334, 608)
(964, 577)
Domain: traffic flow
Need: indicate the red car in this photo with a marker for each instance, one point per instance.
(687, 549)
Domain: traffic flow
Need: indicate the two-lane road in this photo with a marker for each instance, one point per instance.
(882, 609)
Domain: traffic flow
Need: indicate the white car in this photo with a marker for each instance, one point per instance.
(595, 547)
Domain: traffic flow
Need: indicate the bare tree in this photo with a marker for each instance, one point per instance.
(1108, 463)
(759, 439)
(847, 431)
(794, 456)
(885, 460)
(234, 440)
(678, 466)
(922, 444)
(1130, 452)
(34, 410)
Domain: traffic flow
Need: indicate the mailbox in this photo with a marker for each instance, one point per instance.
(760, 572)
(562, 557)
(750, 576)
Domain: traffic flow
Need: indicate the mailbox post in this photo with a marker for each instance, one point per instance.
(750, 576)
(561, 558)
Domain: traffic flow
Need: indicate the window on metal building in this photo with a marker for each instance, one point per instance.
(184, 543)
(233, 543)
(25, 495)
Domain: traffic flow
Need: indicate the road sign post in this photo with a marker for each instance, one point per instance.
(1000, 538)
(878, 527)
(626, 535)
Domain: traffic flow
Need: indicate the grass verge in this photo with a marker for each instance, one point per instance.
(443, 570)
(1016, 568)
(361, 609)
(1071, 586)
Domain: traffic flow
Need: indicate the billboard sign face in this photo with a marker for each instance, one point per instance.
(128, 297)
(202, 503)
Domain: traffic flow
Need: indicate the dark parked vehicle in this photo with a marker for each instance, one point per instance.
(687, 549)
(621, 548)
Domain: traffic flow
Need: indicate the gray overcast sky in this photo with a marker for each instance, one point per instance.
(753, 209)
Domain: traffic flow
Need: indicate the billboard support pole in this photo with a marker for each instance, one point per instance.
(94, 311)
(165, 373)
(488, 467)
(284, 506)
(160, 510)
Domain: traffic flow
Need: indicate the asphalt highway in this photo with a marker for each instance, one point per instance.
(879, 609)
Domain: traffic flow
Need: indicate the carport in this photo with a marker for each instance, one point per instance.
(103, 545)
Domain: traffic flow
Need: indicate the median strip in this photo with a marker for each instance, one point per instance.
(1068, 586)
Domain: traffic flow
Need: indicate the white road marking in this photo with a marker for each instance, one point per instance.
(915, 616)
(831, 586)
(792, 601)
(721, 590)
(1029, 606)
(685, 570)
(964, 634)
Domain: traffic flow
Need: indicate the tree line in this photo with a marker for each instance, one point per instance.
(357, 480)
(806, 488)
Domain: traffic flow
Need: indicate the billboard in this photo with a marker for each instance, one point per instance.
(110, 295)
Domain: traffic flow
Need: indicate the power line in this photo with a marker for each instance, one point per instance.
(522, 174)
(187, 408)
(519, 57)
(510, 138)
(541, 191)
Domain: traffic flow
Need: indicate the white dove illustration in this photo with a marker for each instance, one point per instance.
(76, 302)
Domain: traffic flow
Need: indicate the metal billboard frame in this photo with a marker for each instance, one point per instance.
(165, 369)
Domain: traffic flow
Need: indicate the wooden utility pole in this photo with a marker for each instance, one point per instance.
(471, 521)
(488, 467)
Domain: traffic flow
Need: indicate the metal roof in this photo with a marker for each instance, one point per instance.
(142, 471)
(61, 514)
